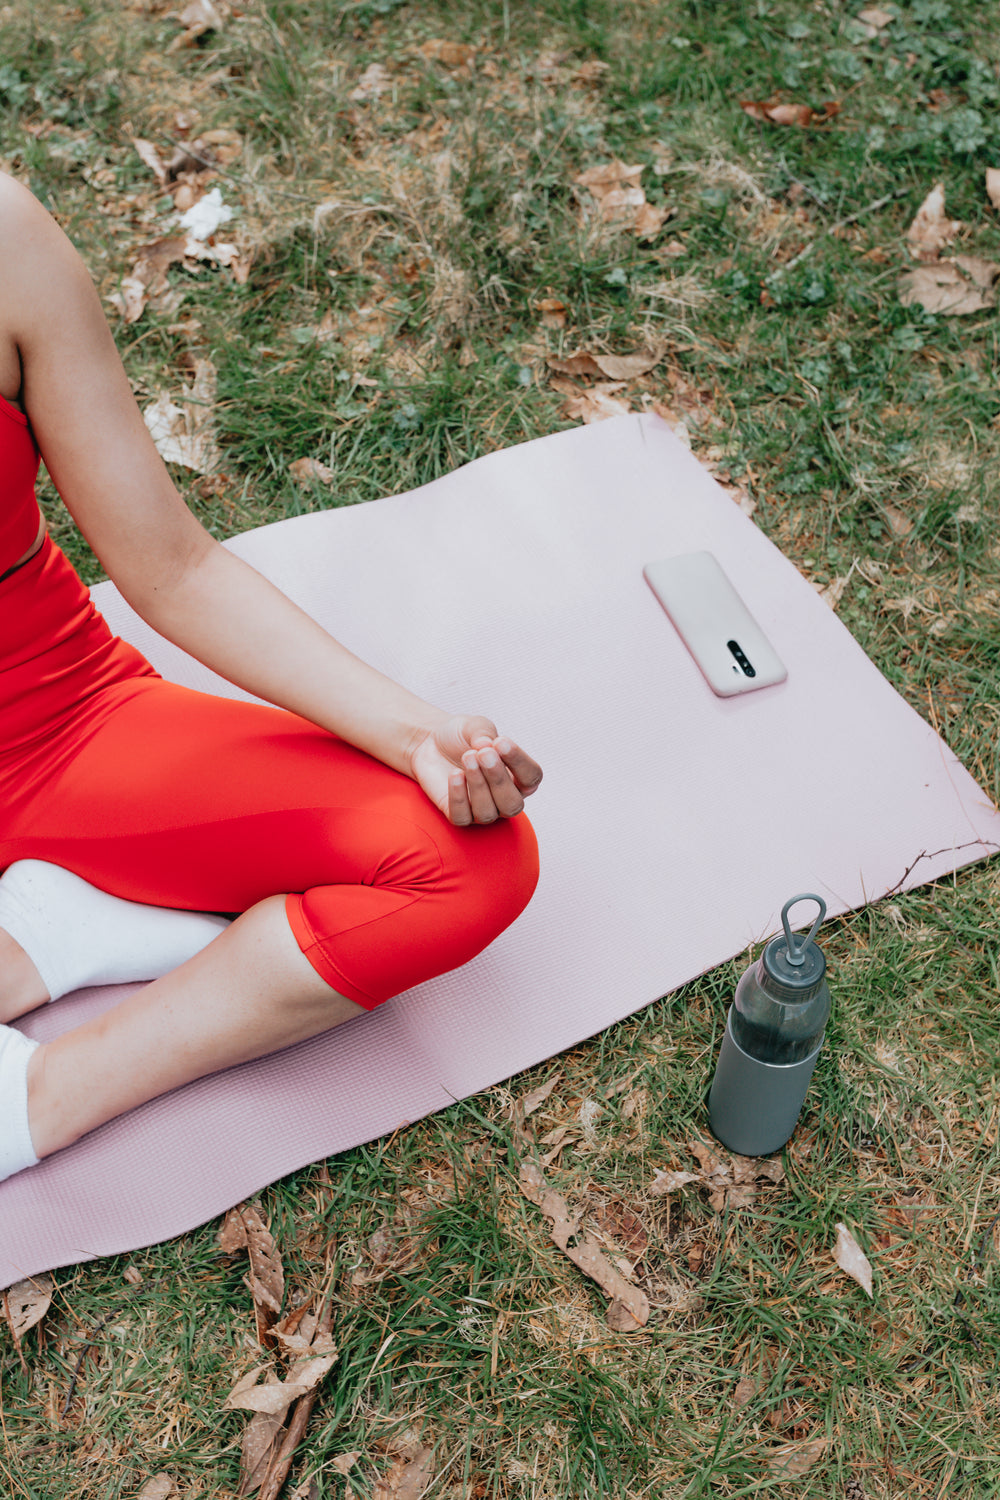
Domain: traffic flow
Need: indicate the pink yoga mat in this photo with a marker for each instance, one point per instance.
(672, 824)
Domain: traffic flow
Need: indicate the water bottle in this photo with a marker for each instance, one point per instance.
(774, 1032)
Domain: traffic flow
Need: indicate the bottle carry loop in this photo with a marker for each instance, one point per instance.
(794, 955)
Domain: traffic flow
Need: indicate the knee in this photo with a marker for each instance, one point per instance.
(504, 874)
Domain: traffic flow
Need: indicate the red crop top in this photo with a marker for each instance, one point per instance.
(19, 517)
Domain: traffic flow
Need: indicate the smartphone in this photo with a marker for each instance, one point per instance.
(728, 645)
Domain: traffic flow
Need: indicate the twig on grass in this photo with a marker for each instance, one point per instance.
(824, 234)
(281, 1463)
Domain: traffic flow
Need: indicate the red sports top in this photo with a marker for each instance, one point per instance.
(18, 468)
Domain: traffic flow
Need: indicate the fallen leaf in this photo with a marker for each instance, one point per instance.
(451, 54)
(553, 312)
(275, 1397)
(185, 434)
(993, 185)
(649, 220)
(408, 1478)
(373, 82)
(613, 366)
(26, 1303)
(151, 157)
(344, 1462)
(233, 1234)
(875, 17)
(852, 1259)
(609, 177)
(931, 229)
(197, 17)
(955, 288)
(620, 1319)
(665, 1183)
(597, 404)
(305, 470)
(745, 1391)
(834, 591)
(792, 1461)
(801, 115)
(620, 197)
(160, 1487)
(899, 524)
(531, 1101)
(261, 1441)
(581, 1249)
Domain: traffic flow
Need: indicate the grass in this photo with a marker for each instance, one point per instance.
(866, 432)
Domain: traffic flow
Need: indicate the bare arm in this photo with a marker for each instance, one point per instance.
(210, 603)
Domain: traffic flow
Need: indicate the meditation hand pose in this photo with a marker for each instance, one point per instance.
(368, 840)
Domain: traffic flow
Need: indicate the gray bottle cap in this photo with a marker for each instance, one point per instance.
(794, 966)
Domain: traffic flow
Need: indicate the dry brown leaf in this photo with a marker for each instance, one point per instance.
(834, 590)
(305, 470)
(931, 229)
(620, 1319)
(613, 366)
(648, 220)
(745, 1391)
(875, 17)
(451, 54)
(160, 1487)
(851, 1259)
(344, 1462)
(665, 1183)
(224, 145)
(244, 1229)
(261, 1441)
(149, 154)
(610, 177)
(26, 1303)
(581, 1249)
(730, 1184)
(267, 1276)
(553, 312)
(197, 17)
(954, 288)
(899, 524)
(793, 1460)
(621, 198)
(185, 434)
(374, 81)
(233, 1235)
(993, 185)
(597, 404)
(530, 1102)
(408, 1478)
(275, 1397)
(801, 115)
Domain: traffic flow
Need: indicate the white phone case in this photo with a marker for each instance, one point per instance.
(715, 625)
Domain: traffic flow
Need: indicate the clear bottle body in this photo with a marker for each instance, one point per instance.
(770, 1025)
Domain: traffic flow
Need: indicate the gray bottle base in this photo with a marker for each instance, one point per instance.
(753, 1105)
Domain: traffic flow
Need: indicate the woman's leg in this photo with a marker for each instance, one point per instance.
(250, 992)
(183, 799)
(58, 934)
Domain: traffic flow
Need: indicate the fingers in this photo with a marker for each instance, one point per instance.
(527, 773)
(492, 793)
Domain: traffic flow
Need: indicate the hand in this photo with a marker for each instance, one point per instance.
(471, 773)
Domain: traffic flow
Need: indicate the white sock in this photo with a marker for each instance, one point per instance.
(77, 935)
(16, 1149)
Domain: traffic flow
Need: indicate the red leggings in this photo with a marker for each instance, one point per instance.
(173, 797)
